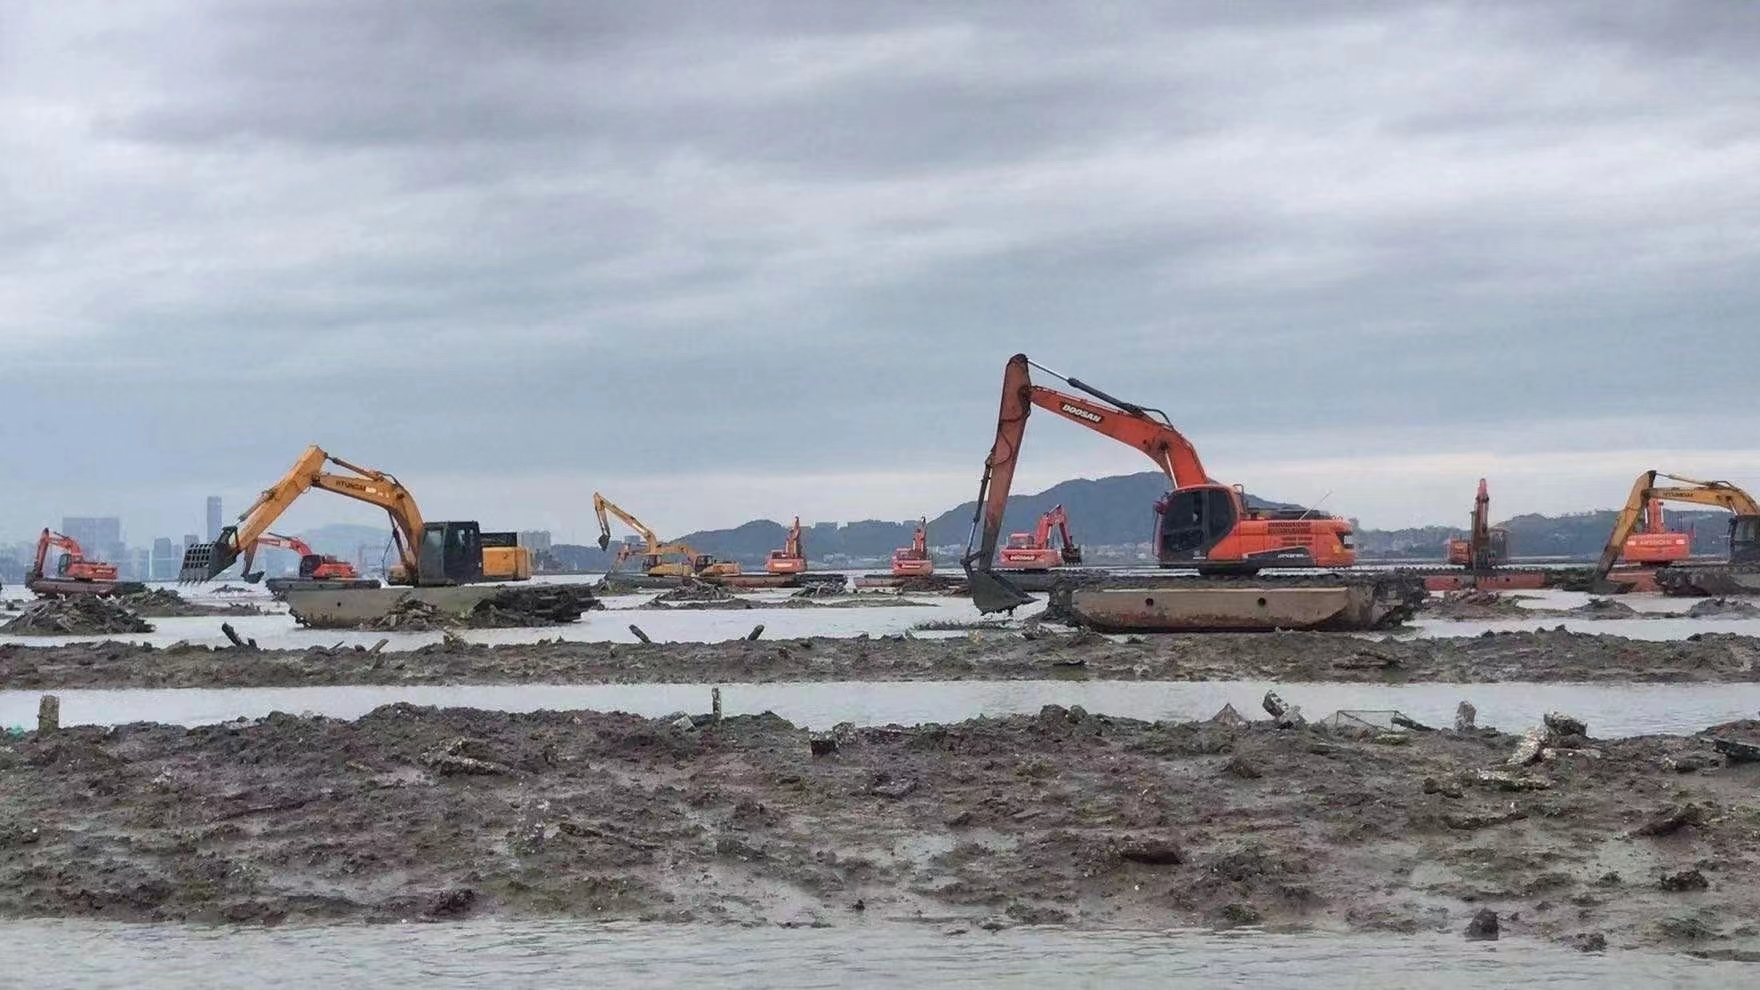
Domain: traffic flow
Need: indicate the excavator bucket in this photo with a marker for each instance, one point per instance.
(992, 592)
(204, 562)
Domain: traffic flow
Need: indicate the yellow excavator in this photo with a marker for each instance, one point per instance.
(1744, 528)
(430, 553)
(653, 552)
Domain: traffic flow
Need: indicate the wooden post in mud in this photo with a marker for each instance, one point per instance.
(715, 703)
(639, 634)
(49, 713)
(757, 630)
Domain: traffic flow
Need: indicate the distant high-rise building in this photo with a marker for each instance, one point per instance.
(535, 540)
(100, 537)
(214, 522)
(167, 558)
(190, 540)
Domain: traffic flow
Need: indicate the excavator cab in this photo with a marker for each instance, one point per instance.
(1744, 540)
(452, 553)
(1192, 521)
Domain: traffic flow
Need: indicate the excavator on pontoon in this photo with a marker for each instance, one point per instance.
(316, 571)
(1199, 524)
(914, 561)
(1034, 552)
(653, 552)
(791, 559)
(1486, 547)
(1740, 575)
(430, 553)
(74, 573)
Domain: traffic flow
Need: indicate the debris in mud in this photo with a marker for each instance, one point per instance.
(1685, 880)
(819, 589)
(1603, 608)
(1589, 942)
(76, 615)
(1288, 716)
(1465, 717)
(1723, 608)
(166, 603)
(511, 608)
(699, 594)
(1483, 927)
(1227, 715)
(1672, 819)
(1473, 604)
(1153, 852)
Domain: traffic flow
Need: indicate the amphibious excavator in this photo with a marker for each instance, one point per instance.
(316, 571)
(791, 559)
(1486, 546)
(653, 552)
(74, 574)
(1740, 575)
(1034, 552)
(430, 553)
(1199, 523)
(914, 560)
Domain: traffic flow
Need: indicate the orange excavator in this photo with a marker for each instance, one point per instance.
(791, 559)
(311, 564)
(74, 574)
(914, 560)
(1034, 552)
(1200, 523)
(1739, 575)
(1485, 547)
(1655, 545)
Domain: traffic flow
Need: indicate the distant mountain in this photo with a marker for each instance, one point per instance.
(1577, 534)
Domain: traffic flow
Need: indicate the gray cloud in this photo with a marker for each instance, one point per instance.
(625, 243)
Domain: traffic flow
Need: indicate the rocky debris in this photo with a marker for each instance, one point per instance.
(699, 595)
(1472, 604)
(1227, 715)
(1153, 852)
(533, 605)
(1603, 608)
(1288, 716)
(1505, 781)
(1683, 881)
(465, 756)
(1589, 942)
(1465, 717)
(76, 615)
(1672, 819)
(818, 590)
(1723, 608)
(1739, 741)
(166, 603)
(1483, 927)
(1558, 731)
(1560, 725)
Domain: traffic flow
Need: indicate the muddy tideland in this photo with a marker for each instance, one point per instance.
(1062, 818)
(1523, 656)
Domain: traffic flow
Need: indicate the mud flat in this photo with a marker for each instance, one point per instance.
(1524, 656)
(1061, 818)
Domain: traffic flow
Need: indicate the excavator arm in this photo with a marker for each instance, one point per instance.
(1645, 490)
(1146, 429)
(603, 505)
(205, 561)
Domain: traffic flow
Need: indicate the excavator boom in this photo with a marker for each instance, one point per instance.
(1645, 490)
(205, 561)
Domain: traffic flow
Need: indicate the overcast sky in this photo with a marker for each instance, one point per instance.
(724, 260)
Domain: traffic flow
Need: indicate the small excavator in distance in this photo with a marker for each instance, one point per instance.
(430, 553)
(316, 571)
(1655, 545)
(1034, 552)
(692, 564)
(1199, 524)
(74, 574)
(791, 559)
(914, 560)
(1739, 576)
(1486, 547)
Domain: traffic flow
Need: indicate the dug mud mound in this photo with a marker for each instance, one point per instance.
(1555, 655)
(1473, 604)
(695, 595)
(1603, 608)
(164, 603)
(547, 605)
(1723, 608)
(77, 615)
(1061, 818)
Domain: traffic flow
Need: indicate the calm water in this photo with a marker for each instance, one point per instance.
(571, 954)
(1611, 710)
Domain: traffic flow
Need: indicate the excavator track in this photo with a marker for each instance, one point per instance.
(1708, 581)
(1330, 600)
